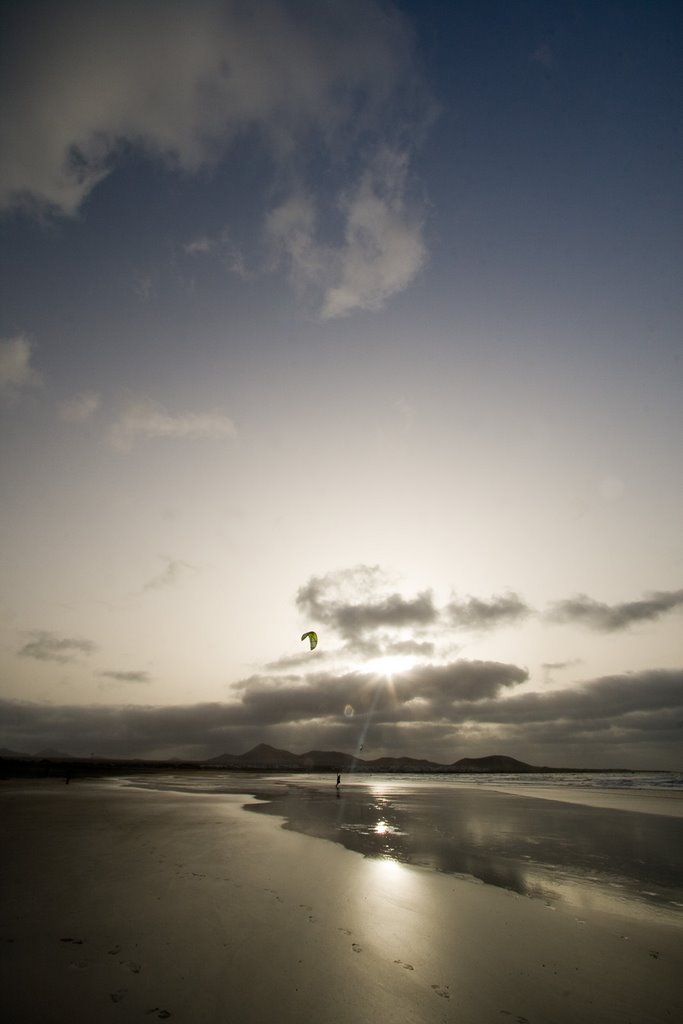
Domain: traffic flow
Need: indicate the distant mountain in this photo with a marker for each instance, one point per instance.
(270, 758)
(403, 764)
(265, 756)
(47, 752)
(262, 754)
(494, 763)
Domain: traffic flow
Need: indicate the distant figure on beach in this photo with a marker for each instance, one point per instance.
(338, 780)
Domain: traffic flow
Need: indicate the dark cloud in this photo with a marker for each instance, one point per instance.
(500, 610)
(392, 611)
(126, 677)
(609, 618)
(422, 694)
(467, 681)
(603, 703)
(629, 720)
(47, 646)
(355, 601)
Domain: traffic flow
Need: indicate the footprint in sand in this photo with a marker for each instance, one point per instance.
(518, 1019)
(76, 942)
(161, 1014)
(78, 965)
(117, 996)
(442, 990)
(114, 950)
(401, 963)
(344, 930)
(131, 966)
(356, 948)
(654, 954)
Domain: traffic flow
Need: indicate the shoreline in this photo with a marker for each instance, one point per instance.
(562, 851)
(668, 803)
(121, 902)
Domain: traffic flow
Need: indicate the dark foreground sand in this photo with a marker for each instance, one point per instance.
(131, 905)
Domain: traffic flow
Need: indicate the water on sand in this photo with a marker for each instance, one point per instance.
(547, 848)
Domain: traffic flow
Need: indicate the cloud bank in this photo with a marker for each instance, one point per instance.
(619, 720)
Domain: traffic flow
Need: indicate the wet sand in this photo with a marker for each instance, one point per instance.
(659, 802)
(579, 847)
(122, 904)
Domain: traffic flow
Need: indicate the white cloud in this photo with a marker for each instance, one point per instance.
(221, 246)
(80, 408)
(314, 82)
(382, 248)
(16, 372)
(292, 228)
(202, 245)
(181, 80)
(144, 418)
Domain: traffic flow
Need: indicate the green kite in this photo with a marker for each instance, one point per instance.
(312, 638)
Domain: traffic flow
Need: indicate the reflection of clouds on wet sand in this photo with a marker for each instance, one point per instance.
(577, 854)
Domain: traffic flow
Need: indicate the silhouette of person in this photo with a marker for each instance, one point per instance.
(338, 780)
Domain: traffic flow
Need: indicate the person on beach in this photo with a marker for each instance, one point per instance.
(338, 781)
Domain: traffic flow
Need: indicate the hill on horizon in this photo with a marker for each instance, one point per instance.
(273, 757)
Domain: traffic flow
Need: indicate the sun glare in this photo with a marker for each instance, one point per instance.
(389, 664)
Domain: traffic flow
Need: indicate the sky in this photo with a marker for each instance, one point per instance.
(359, 317)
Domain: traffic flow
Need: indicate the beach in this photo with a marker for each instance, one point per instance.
(122, 903)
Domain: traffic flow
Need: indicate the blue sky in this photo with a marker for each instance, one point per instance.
(351, 316)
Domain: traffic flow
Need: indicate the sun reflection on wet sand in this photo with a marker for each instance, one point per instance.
(581, 856)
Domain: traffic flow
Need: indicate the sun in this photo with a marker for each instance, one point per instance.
(389, 664)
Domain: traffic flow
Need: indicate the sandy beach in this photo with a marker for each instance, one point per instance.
(124, 904)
